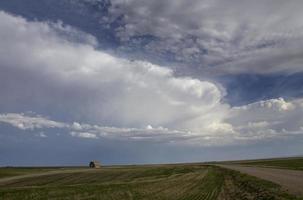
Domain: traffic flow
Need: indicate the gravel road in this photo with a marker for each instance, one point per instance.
(290, 180)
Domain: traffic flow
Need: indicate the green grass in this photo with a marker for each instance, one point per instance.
(186, 182)
(287, 163)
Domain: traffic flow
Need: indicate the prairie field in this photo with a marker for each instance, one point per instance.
(182, 181)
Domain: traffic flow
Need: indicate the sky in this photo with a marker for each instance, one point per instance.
(139, 81)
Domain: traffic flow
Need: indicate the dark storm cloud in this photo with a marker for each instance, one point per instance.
(231, 37)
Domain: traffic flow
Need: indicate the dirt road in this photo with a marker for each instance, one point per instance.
(290, 180)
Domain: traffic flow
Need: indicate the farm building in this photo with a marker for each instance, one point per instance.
(94, 164)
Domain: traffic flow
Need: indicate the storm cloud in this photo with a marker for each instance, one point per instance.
(160, 87)
(118, 98)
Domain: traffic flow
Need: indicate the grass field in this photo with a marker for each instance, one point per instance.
(295, 163)
(142, 182)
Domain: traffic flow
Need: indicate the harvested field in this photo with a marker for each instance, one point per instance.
(17, 171)
(165, 182)
(189, 181)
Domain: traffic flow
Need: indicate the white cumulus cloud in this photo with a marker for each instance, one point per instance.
(87, 83)
(24, 122)
(107, 96)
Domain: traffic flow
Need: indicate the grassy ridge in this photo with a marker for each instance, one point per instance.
(287, 163)
(186, 182)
